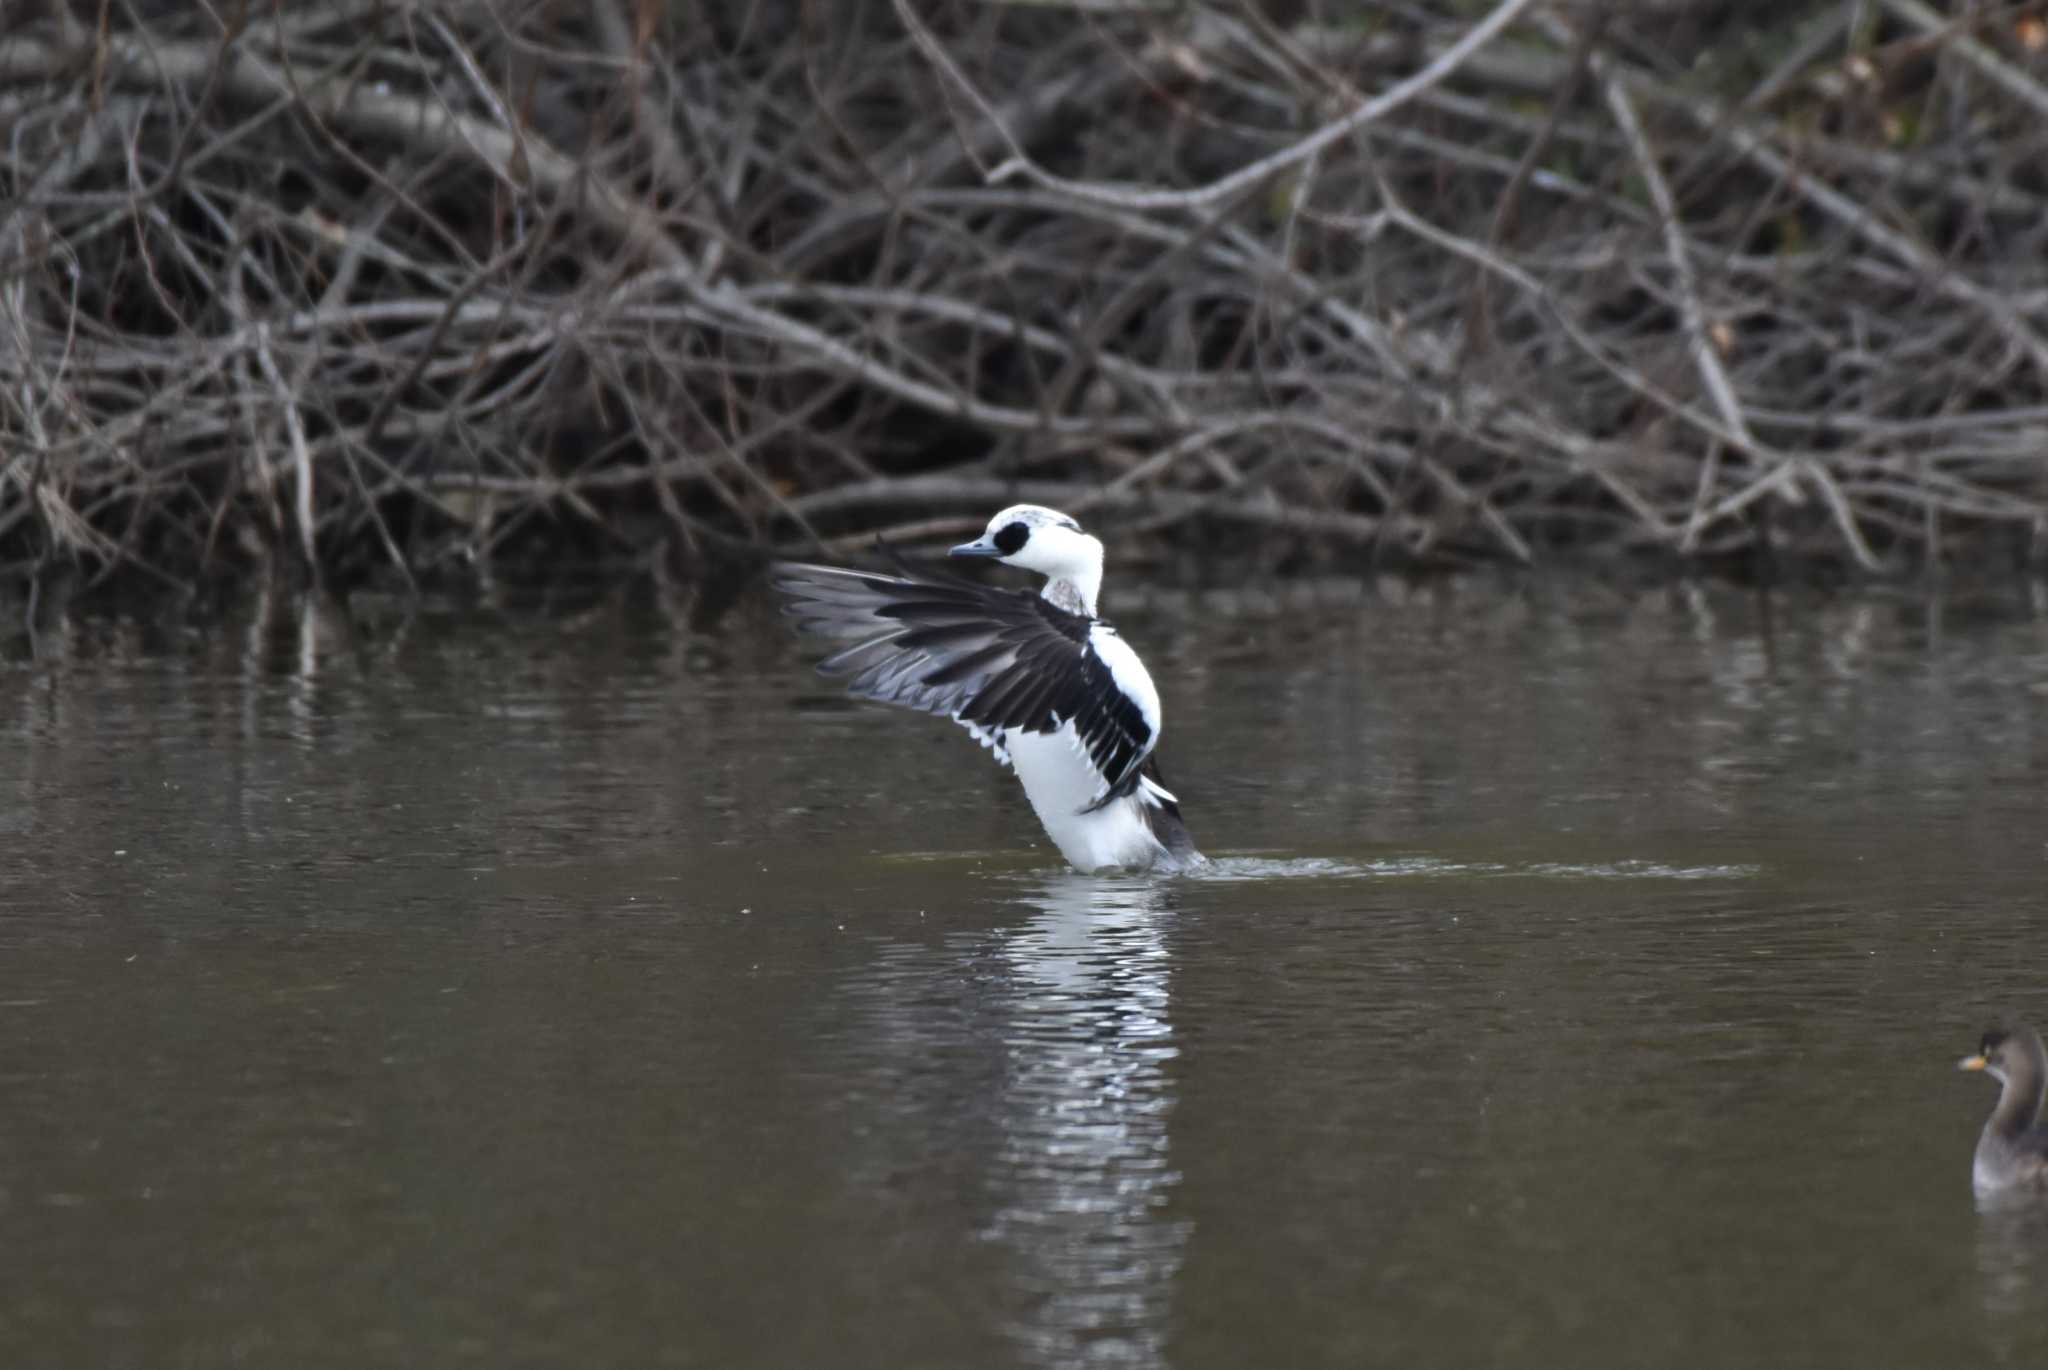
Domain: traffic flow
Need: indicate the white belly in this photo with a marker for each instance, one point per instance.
(1060, 782)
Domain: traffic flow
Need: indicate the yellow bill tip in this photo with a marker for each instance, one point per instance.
(1972, 1063)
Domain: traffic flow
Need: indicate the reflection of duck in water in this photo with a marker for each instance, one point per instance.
(2012, 1152)
(1085, 1185)
(1037, 679)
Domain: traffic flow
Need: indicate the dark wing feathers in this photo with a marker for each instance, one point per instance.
(970, 665)
(1116, 734)
(983, 656)
(1018, 695)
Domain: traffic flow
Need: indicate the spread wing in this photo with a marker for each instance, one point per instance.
(987, 658)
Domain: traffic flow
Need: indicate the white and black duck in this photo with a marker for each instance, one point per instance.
(1039, 679)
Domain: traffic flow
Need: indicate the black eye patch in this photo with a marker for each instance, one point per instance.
(1011, 540)
(1993, 1040)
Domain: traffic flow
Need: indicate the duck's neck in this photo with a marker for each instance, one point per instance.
(2019, 1104)
(1075, 593)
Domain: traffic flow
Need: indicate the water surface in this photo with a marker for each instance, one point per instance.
(1580, 982)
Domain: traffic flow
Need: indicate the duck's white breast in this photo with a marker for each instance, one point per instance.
(1060, 782)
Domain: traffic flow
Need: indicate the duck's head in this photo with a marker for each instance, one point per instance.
(2004, 1052)
(1042, 540)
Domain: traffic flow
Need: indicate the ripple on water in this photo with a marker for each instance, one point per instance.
(1029, 867)
(1252, 868)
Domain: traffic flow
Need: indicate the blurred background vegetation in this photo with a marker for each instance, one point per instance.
(394, 293)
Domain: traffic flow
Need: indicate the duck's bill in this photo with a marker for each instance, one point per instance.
(1972, 1063)
(980, 547)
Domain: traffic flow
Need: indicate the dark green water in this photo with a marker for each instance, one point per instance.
(1580, 984)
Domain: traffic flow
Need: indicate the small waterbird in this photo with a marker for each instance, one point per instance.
(2012, 1151)
(1038, 679)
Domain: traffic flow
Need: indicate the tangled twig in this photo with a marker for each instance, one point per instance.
(389, 289)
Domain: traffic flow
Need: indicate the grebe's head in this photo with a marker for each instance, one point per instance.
(2006, 1051)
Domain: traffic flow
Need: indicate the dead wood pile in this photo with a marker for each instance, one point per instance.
(390, 288)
